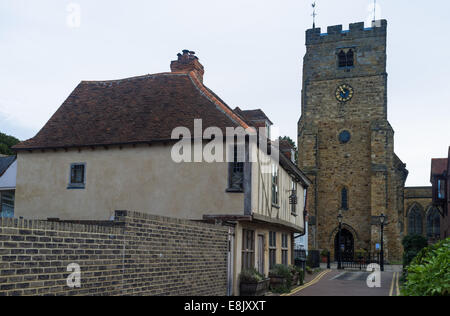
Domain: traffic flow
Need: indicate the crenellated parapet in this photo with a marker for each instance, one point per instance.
(336, 33)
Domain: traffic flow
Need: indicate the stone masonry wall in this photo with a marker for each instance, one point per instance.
(136, 254)
(366, 165)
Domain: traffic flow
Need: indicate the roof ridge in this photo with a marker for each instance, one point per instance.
(207, 94)
(134, 78)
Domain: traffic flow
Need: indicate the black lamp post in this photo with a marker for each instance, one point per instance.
(382, 222)
(340, 217)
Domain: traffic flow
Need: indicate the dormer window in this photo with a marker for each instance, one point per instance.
(346, 58)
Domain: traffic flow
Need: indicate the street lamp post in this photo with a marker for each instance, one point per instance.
(382, 222)
(339, 241)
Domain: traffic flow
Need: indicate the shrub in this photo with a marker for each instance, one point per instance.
(324, 253)
(309, 270)
(250, 276)
(429, 272)
(282, 271)
(412, 245)
(298, 270)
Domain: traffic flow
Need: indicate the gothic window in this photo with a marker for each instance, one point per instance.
(433, 223)
(342, 59)
(350, 58)
(346, 59)
(344, 199)
(415, 221)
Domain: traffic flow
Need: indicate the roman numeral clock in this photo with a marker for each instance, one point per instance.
(344, 93)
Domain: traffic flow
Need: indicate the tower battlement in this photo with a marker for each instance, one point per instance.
(336, 34)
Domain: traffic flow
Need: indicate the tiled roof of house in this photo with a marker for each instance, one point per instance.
(252, 116)
(5, 162)
(134, 110)
(438, 166)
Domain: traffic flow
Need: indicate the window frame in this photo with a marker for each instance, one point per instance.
(275, 185)
(412, 229)
(272, 249)
(8, 196)
(233, 166)
(345, 205)
(77, 185)
(248, 253)
(284, 249)
(346, 52)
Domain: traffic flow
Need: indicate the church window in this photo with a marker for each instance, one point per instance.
(433, 223)
(415, 221)
(346, 58)
(344, 199)
(344, 137)
(342, 59)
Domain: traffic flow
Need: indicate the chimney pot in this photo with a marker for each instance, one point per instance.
(188, 62)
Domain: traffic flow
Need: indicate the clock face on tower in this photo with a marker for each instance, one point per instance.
(344, 93)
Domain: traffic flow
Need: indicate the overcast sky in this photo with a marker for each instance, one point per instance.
(252, 51)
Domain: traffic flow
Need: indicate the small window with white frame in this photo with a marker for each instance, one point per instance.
(77, 177)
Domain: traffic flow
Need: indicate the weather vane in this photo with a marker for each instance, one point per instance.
(374, 10)
(314, 14)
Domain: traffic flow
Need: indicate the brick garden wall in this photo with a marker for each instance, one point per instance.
(136, 254)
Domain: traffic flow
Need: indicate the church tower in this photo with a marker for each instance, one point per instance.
(346, 144)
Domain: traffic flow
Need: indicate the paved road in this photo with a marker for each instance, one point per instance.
(351, 283)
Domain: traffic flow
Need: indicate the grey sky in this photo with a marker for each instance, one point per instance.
(252, 51)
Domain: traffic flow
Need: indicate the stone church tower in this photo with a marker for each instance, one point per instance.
(346, 144)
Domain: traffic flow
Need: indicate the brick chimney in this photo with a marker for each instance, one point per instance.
(287, 149)
(188, 62)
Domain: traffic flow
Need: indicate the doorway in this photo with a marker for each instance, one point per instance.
(346, 244)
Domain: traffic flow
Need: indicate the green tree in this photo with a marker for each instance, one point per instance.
(292, 143)
(6, 142)
(429, 272)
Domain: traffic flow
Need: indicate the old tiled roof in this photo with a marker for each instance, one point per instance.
(438, 166)
(131, 111)
(252, 116)
(5, 162)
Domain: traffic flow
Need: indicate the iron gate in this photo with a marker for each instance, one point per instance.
(350, 261)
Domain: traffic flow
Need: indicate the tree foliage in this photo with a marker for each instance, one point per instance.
(292, 143)
(429, 272)
(412, 245)
(6, 142)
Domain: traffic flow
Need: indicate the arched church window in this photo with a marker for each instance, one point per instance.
(433, 223)
(350, 58)
(342, 56)
(344, 199)
(346, 58)
(415, 221)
